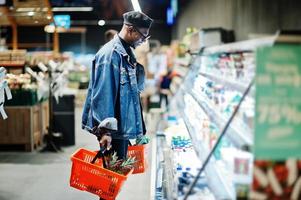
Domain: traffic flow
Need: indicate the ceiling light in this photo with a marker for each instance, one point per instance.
(25, 9)
(72, 9)
(136, 5)
(30, 13)
(36, 22)
(49, 28)
(45, 9)
(49, 17)
(101, 22)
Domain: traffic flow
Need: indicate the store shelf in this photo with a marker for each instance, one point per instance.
(197, 143)
(240, 137)
(249, 45)
(164, 182)
(12, 64)
(213, 173)
(228, 82)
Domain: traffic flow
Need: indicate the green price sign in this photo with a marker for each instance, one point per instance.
(278, 102)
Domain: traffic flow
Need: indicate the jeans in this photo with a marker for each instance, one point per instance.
(162, 98)
(120, 146)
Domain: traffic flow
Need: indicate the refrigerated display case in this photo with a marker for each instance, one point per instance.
(204, 103)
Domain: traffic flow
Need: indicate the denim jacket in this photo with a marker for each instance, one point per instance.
(114, 91)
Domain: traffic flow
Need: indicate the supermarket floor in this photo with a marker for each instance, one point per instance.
(45, 176)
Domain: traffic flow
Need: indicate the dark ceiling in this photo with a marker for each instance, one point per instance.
(113, 9)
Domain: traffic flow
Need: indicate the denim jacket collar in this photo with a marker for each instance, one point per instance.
(140, 69)
(120, 49)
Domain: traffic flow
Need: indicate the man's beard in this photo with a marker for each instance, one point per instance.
(135, 44)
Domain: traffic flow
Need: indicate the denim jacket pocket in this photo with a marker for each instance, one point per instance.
(124, 85)
(124, 79)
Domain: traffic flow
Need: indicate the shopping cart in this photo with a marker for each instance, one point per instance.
(139, 152)
(88, 174)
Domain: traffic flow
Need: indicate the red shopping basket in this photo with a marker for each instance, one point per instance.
(139, 152)
(94, 178)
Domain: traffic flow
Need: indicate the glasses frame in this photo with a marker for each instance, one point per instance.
(144, 37)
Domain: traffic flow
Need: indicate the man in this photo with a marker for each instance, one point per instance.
(113, 109)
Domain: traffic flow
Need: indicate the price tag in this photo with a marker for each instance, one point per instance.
(2, 86)
(2, 112)
(4, 116)
(8, 93)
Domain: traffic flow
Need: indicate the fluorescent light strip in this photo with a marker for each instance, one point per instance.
(30, 13)
(32, 9)
(72, 9)
(136, 5)
(25, 9)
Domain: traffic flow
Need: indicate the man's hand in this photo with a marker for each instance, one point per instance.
(105, 141)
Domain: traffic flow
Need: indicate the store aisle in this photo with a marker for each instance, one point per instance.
(45, 176)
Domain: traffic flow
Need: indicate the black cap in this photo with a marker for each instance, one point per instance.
(137, 19)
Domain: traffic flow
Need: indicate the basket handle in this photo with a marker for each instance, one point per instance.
(100, 154)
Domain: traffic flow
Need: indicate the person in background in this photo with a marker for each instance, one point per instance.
(112, 111)
(165, 82)
(109, 35)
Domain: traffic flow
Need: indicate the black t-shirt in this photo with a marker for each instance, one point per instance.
(128, 49)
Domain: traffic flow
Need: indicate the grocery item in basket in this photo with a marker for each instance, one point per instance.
(142, 140)
(119, 166)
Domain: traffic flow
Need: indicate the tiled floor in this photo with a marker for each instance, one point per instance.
(45, 176)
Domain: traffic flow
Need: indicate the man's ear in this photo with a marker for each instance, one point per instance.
(131, 30)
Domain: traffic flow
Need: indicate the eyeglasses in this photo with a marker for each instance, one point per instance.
(144, 37)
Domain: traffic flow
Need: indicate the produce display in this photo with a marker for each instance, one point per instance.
(277, 180)
(5, 55)
(24, 90)
(34, 58)
(12, 57)
(22, 81)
